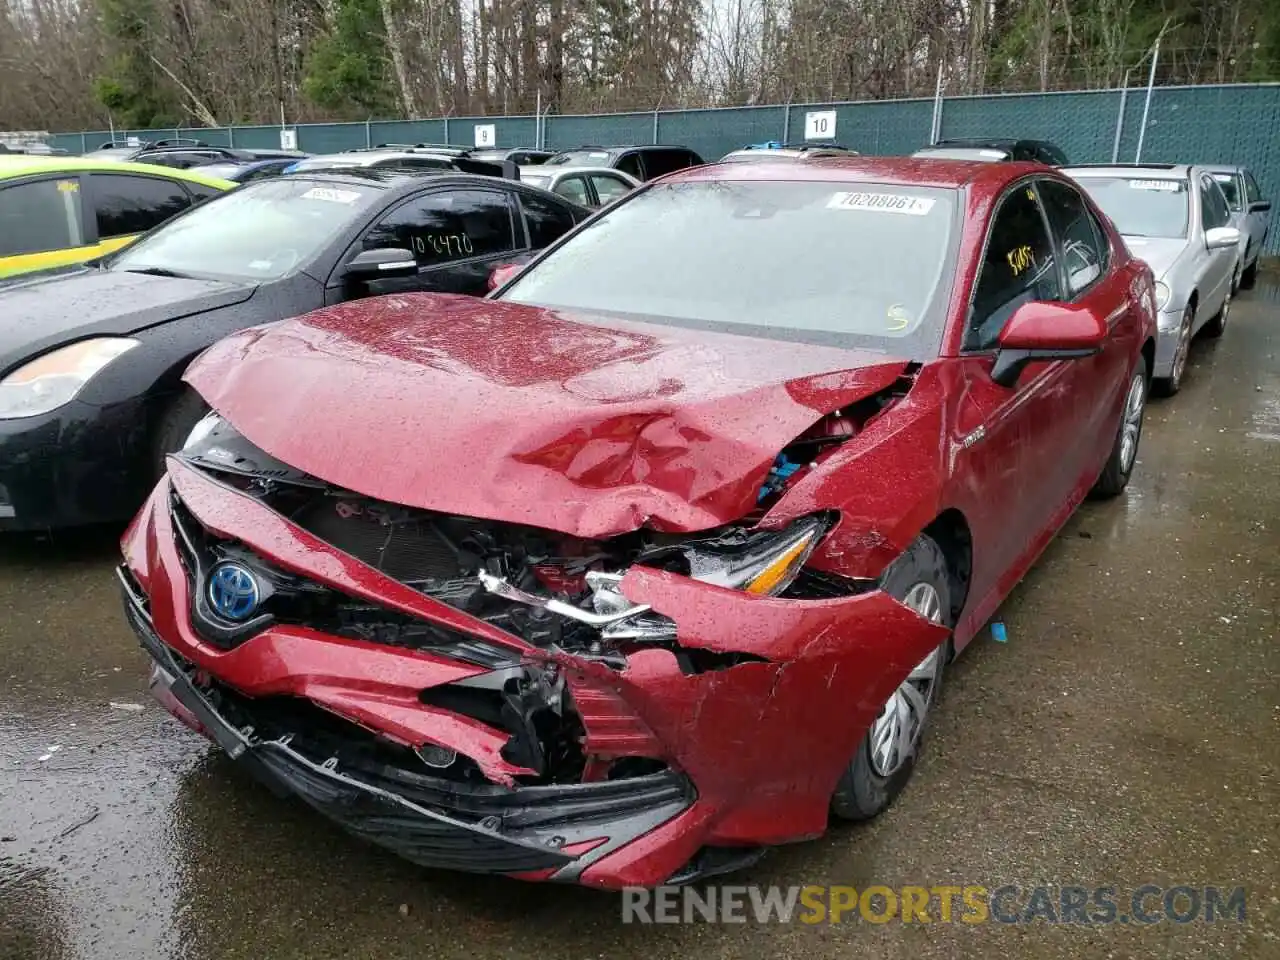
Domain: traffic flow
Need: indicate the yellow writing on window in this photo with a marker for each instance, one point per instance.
(1020, 258)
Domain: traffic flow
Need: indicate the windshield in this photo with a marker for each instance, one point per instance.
(581, 158)
(1141, 208)
(820, 262)
(1227, 181)
(261, 231)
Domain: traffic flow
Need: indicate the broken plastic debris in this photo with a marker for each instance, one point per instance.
(998, 633)
(129, 707)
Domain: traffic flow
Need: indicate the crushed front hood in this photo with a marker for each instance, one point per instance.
(514, 413)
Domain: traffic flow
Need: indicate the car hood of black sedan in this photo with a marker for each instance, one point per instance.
(43, 311)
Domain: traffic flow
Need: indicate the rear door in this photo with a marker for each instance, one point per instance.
(1259, 215)
(42, 224)
(457, 235)
(1097, 384)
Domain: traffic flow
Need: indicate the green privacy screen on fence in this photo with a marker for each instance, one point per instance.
(1211, 124)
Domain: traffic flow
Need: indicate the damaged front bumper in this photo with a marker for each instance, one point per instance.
(692, 762)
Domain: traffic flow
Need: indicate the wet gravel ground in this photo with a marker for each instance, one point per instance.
(1128, 732)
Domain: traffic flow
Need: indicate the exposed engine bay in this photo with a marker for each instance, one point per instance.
(550, 589)
(558, 593)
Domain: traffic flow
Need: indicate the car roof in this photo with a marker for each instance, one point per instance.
(1223, 168)
(1003, 143)
(393, 179)
(24, 165)
(561, 170)
(618, 148)
(904, 171)
(1135, 171)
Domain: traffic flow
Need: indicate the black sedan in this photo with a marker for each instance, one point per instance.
(91, 358)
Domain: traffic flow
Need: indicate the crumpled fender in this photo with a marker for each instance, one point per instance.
(887, 485)
(744, 733)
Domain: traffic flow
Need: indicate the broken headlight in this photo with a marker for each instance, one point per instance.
(761, 562)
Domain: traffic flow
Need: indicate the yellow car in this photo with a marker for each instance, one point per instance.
(61, 210)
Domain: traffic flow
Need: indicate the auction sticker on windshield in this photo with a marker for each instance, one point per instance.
(332, 195)
(1170, 186)
(881, 203)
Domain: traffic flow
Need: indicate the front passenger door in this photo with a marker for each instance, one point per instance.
(456, 236)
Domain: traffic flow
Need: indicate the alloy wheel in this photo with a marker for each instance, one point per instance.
(1131, 426)
(1184, 346)
(896, 732)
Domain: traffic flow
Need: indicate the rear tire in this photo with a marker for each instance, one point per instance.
(877, 774)
(1124, 452)
(175, 425)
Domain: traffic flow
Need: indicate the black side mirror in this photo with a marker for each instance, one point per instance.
(1260, 206)
(381, 262)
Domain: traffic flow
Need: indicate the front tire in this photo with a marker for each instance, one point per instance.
(1124, 452)
(175, 425)
(1249, 276)
(888, 751)
(1218, 324)
(1171, 384)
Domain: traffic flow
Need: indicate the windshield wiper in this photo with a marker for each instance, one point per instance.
(158, 272)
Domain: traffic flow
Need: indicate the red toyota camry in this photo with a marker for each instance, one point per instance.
(656, 557)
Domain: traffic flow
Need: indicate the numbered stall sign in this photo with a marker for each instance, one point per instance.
(288, 139)
(486, 135)
(820, 125)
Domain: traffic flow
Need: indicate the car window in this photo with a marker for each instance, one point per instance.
(125, 205)
(39, 216)
(574, 189)
(1213, 205)
(609, 188)
(441, 227)
(1252, 192)
(1080, 237)
(547, 220)
(263, 172)
(1018, 267)
(661, 161)
(202, 193)
(630, 163)
(1230, 184)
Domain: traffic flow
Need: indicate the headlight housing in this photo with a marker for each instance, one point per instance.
(764, 562)
(1162, 295)
(54, 379)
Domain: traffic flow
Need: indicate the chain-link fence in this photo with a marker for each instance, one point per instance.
(1230, 123)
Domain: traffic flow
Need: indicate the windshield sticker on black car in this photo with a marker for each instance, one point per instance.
(881, 203)
(1169, 186)
(331, 195)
